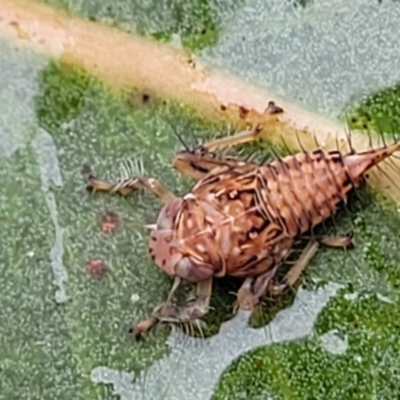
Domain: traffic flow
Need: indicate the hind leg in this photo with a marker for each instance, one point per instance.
(344, 242)
(253, 289)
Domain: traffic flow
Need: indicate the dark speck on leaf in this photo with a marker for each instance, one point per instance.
(86, 169)
(243, 111)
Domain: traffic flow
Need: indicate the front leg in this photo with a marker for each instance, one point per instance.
(145, 325)
(170, 313)
(128, 185)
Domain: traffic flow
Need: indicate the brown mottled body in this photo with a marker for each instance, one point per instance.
(241, 219)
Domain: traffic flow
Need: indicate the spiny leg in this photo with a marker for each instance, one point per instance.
(139, 329)
(253, 289)
(245, 136)
(169, 313)
(197, 163)
(129, 185)
(200, 161)
(345, 242)
(190, 312)
(297, 269)
(125, 187)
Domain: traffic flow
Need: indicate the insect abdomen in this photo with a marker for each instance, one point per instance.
(302, 190)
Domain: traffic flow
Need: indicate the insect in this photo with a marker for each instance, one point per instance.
(241, 219)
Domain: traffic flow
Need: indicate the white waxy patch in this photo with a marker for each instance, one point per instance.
(226, 242)
(253, 235)
(46, 154)
(189, 196)
(201, 248)
(189, 223)
(233, 194)
(236, 251)
(210, 197)
(264, 193)
(333, 343)
(220, 193)
(283, 253)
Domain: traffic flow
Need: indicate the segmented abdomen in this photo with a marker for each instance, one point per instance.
(300, 191)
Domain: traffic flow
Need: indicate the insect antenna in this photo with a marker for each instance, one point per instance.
(179, 137)
(186, 147)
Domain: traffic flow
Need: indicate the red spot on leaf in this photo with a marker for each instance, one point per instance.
(96, 268)
(109, 222)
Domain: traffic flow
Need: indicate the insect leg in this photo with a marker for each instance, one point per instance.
(253, 289)
(190, 312)
(170, 313)
(296, 270)
(139, 329)
(246, 136)
(345, 242)
(127, 186)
